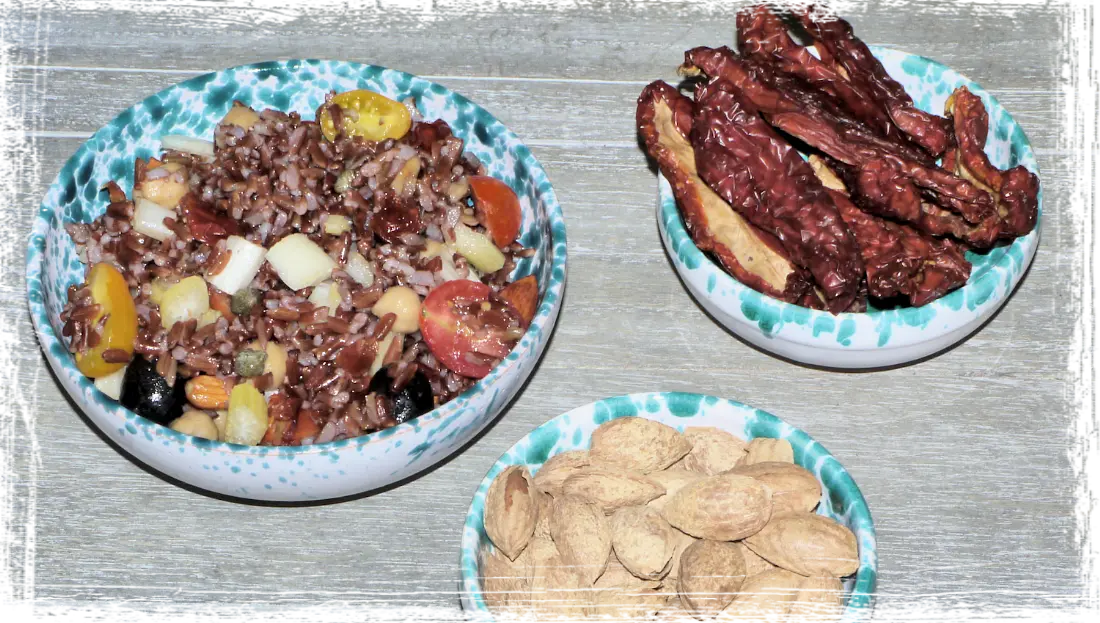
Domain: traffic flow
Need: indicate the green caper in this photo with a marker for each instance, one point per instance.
(250, 362)
(243, 301)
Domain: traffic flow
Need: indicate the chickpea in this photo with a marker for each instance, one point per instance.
(166, 191)
(196, 424)
(403, 303)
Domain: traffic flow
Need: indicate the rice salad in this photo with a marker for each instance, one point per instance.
(297, 282)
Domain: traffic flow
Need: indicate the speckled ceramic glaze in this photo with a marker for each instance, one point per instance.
(876, 338)
(315, 472)
(840, 499)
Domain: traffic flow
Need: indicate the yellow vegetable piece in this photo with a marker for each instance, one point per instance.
(247, 421)
(110, 292)
(186, 300)
(241, 116)
(367, 114)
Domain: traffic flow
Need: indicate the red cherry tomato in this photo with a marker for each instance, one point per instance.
(498, 209)
(445, 332)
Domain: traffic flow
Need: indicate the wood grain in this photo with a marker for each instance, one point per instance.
(962, 458)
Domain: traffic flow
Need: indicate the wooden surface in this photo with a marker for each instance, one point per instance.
(963, 459)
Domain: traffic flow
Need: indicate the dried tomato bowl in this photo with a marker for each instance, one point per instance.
(296, 473)
(876, 338)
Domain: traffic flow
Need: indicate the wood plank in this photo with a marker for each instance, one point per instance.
(984, 422)
(1022, 43)
(58, 100)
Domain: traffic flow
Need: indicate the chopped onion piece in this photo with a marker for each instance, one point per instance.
(326, 294)
(186, 144)
(111, 384)
(336, 224)
(149, 219)
(299, 262)
(245, 260)
(359, 269)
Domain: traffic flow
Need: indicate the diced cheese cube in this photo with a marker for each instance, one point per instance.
(336, 224)
(299, 262)
(245, 260)
(359, 269)
(326, 294)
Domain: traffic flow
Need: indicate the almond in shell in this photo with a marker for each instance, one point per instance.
(710, 573)
(503, 582)
(681, 542)
(612, 489)
(713, 450)
(629, 603)
(818, 599)
(807, 544)
(582, 534)
(559, 594)
(726, 507)
(637, 444)
(673, 612)
(794, 488)
(672, 479)
(754, 564)
(765, 596)
(643, 541)
(557, 468)
(764, 449)
(511, 510)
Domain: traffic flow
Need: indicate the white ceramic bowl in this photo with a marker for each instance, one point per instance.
(876, 338)
(321, 471)
(841, 499)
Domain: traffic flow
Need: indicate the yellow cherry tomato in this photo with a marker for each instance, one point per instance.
(369, 115)
(110, 292)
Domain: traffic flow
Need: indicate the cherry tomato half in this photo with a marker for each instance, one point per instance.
(110, 292)
(367, 114)
(498, 209)
(456, 321)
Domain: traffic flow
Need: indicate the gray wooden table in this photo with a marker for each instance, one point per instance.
(964, 459)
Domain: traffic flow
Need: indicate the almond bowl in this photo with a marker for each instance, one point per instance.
(841, 499)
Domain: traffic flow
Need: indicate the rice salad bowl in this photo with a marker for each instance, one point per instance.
(297, 280)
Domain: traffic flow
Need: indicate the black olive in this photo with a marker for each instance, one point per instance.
(148, 394)
(414, 399)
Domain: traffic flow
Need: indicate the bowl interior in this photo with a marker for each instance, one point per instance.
(995, 272)
(193, 108)
(841, 498)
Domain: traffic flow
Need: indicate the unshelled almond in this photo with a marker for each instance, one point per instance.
(818, 599)
(807, 544)
(504, 582)
(582, 534)
(559, 594)
(754, 564)
(545, 505)
(673, 612)
(794, 488)
(713, 450)
(207, 392)
(680, 542)
(557, 468)
(511, 510)
(711, 572)
(672, 479)
(642, 541)
(764, 449)
(637, 444)
(612, 489)
(629, 603)
(726, 507)
(765, 596)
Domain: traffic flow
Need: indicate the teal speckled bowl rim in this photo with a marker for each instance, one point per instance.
(1012, 259)
(545, 313)
(808, 453)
